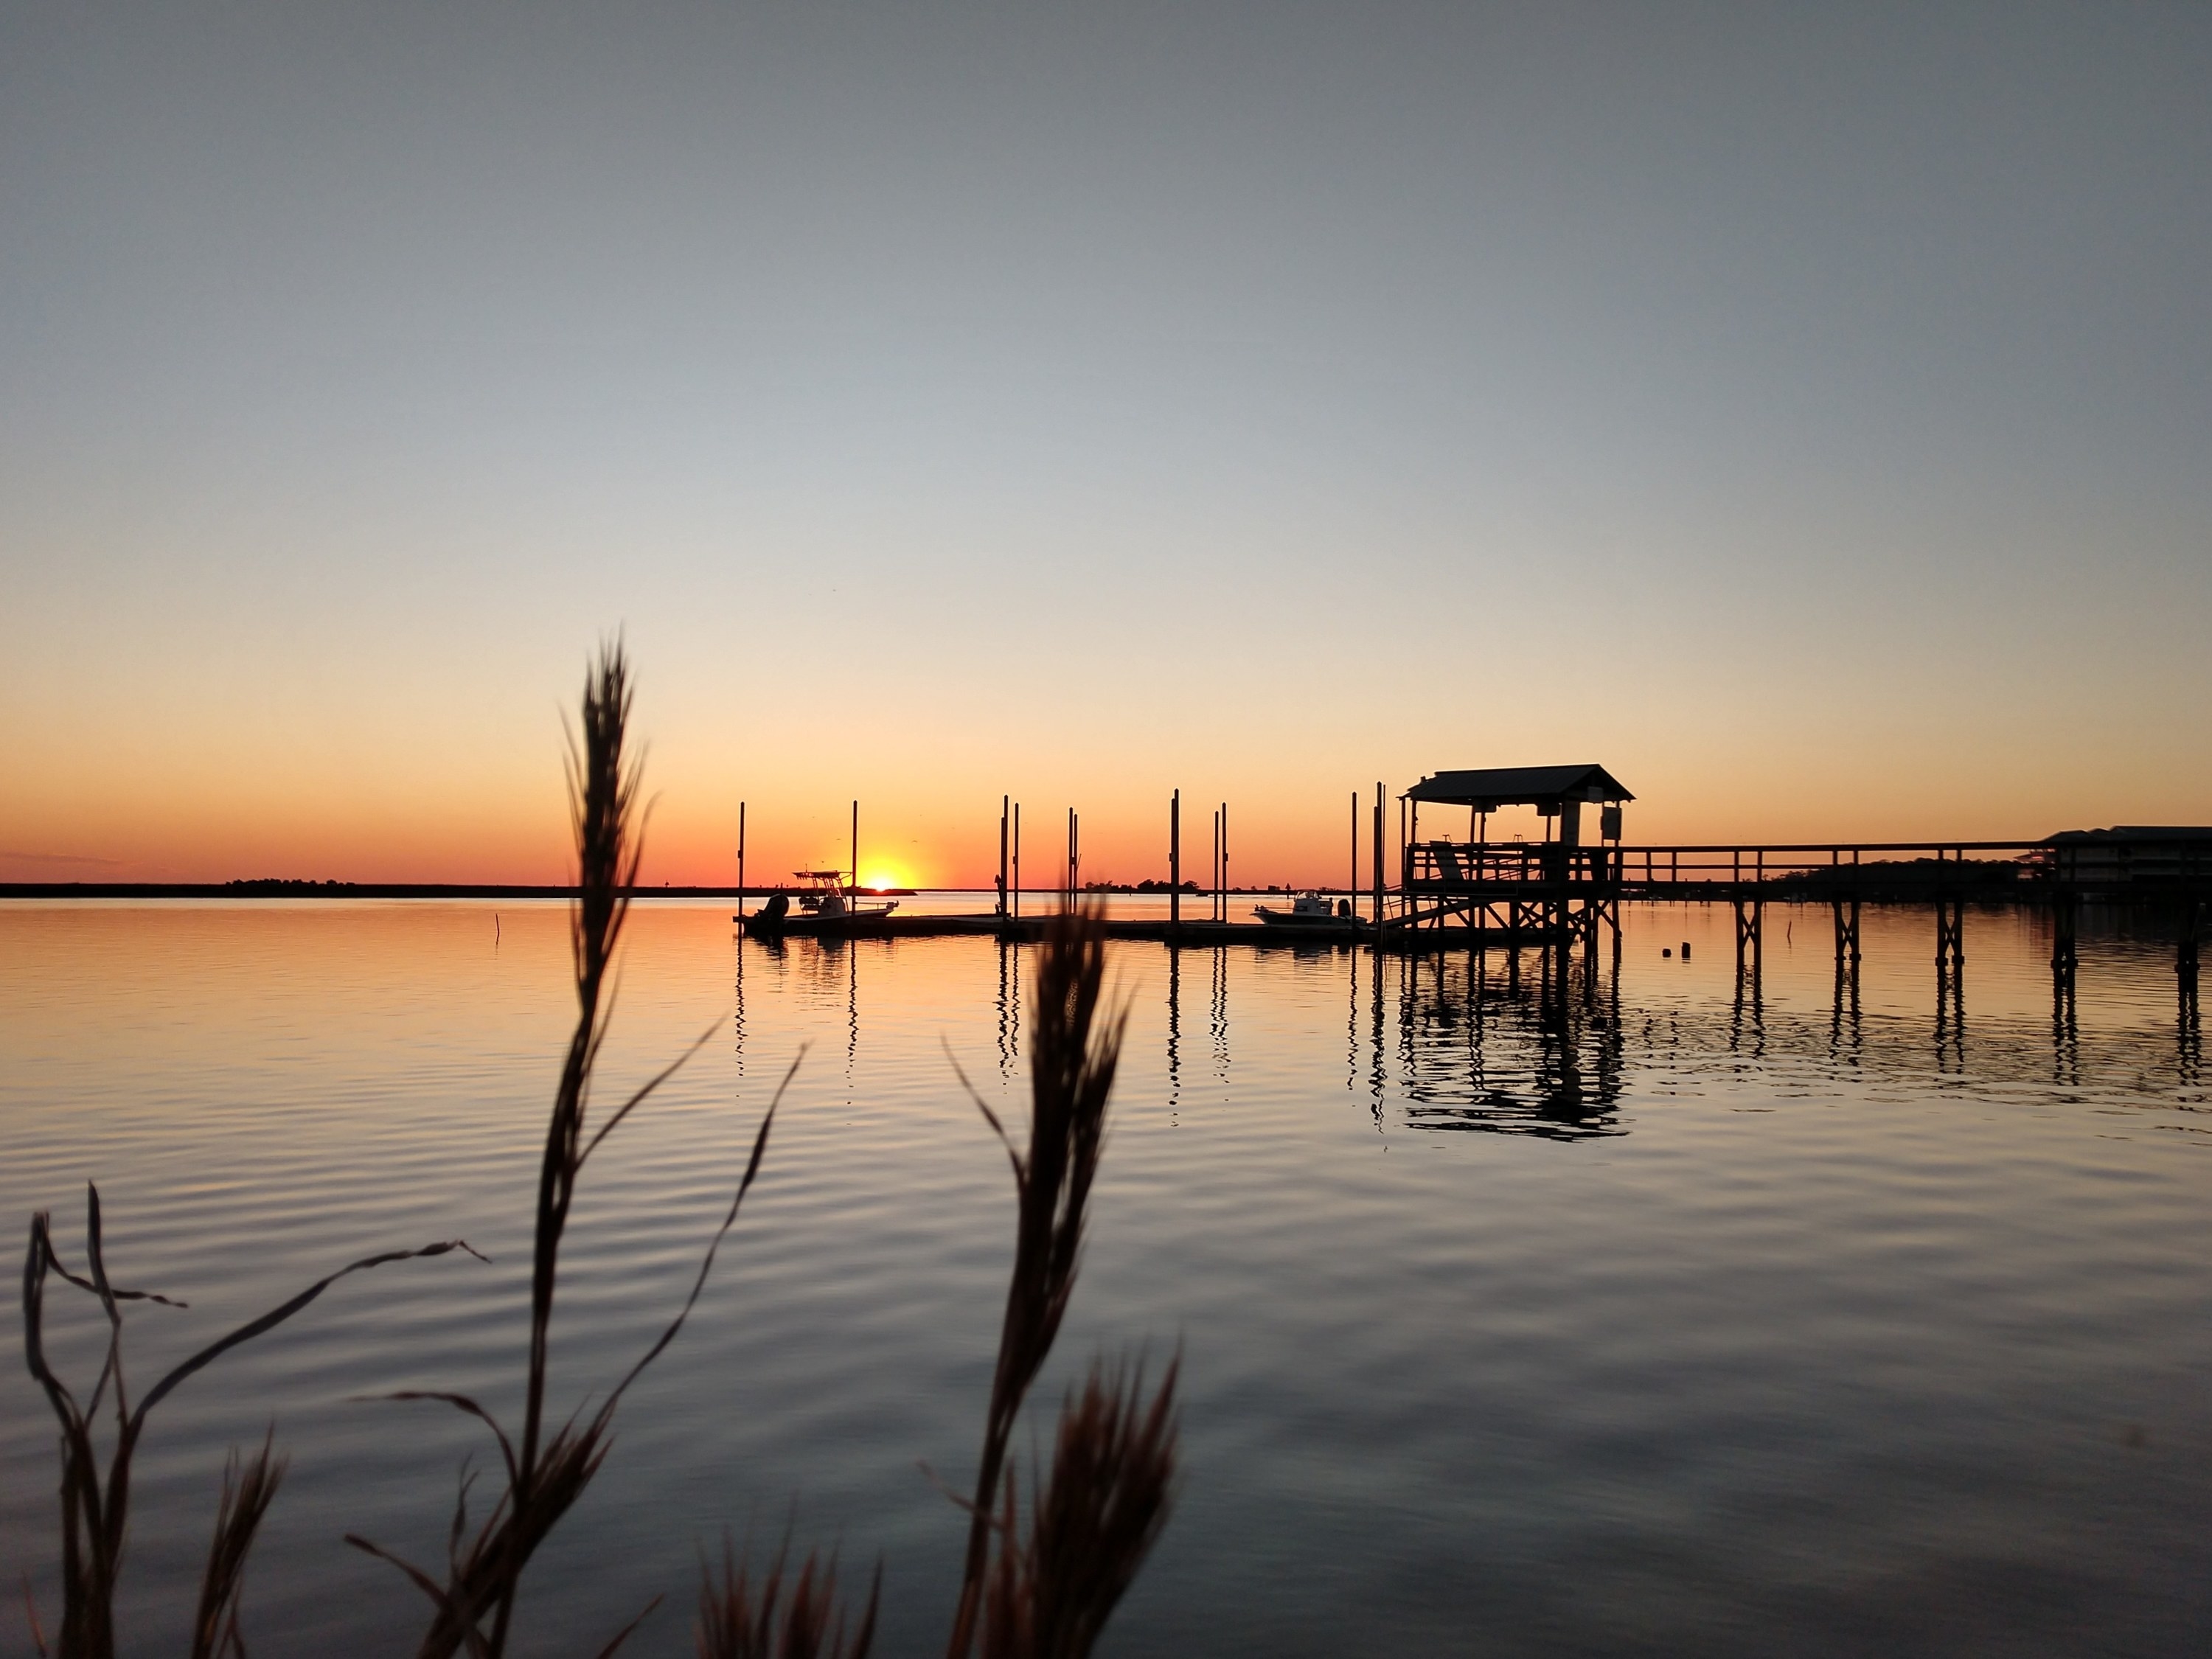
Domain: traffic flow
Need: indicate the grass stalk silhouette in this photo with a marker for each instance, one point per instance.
(1050, 1591)
(739, 1619)
(247, 1491)
(546, 1473)
(1039, 1588)
(1113, 1464)
(95, 1510)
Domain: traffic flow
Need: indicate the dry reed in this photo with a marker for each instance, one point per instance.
(96, 1510)
(1113, 1465)
(546, 1474)
(739, 1619)
(247, 1491)
(1045, 1592)
(1049, 1593)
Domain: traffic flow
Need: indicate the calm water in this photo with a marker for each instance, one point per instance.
(1719, 1325)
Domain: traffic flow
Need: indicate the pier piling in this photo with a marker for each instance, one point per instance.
(1175, 862)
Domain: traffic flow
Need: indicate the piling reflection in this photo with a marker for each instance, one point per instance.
(1747, 1012)
(1480, 1054)
(1009, 1008)
(1546, 1043)
(1218, 1016)
(1175, 1029)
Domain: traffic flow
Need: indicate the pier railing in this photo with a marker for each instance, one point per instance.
(2145, 868)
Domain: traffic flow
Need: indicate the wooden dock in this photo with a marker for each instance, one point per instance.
(1030, 928)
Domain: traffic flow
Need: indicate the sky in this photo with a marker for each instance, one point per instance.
(1804, 411)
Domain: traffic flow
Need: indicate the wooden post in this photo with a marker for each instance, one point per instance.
(1213, 873)
(1018, 860)
(1352, 887)
(1377, 840)
(1175, 864)
(856, 847)
(741, 860)
(1003, 801)
(1225, 860)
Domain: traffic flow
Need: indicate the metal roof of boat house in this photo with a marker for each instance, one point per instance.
(1489, 788)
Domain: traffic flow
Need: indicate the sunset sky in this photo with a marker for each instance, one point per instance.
(1804, 410)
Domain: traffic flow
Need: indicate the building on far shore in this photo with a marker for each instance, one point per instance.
(2133, 858)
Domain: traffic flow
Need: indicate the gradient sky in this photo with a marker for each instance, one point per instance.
(1805, 410)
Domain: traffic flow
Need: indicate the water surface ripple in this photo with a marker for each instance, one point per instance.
(1700, 1317)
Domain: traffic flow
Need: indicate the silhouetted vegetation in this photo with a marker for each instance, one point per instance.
(1042, 1589)
(1914, 881)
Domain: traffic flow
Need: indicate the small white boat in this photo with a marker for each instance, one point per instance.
(1309, 911)
(831, 899)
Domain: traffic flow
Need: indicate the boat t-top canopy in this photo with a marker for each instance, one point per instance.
(1545, 787)
(819, 875)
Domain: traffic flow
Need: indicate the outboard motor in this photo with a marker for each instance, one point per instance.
(777, 908)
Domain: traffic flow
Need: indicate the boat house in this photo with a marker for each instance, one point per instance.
(1556, 891)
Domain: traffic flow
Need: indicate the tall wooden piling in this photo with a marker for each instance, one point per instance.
(1004, 802)
(1213, 873)
(1376, 839)
(856, 847)
(1018, 860)
(1352, 886)
(1174, 861)
(741, 860)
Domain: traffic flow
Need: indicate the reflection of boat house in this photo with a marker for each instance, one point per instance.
(1556, 891)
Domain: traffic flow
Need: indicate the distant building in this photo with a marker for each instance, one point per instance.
(2135, 857)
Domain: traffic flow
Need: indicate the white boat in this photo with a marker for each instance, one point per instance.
(828, 897)
(826, 910)
(1310, 910)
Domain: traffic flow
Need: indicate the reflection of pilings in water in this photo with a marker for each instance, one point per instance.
(2065, 1030)
(1006, 1049)
(737, 1016)
(2065, 964)
(1844, 1026)
(1611, 1057)
(1466, 1041)
(2188, 1020)
(1409, 970)
(1175, 1028)
(1352, 1013)
(852, 1009)
(2065, 952)
(1750, 998)
(1378, 1079)
(1951, 975)
(1221, 1015)
(1846, 913)
(1559, 1070)
(1951, 983)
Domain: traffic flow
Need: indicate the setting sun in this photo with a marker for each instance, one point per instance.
(883, 878)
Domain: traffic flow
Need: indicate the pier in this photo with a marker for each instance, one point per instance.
(1561, 897)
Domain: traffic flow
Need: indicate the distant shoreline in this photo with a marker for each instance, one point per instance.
(432, 889)
(335, 890)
